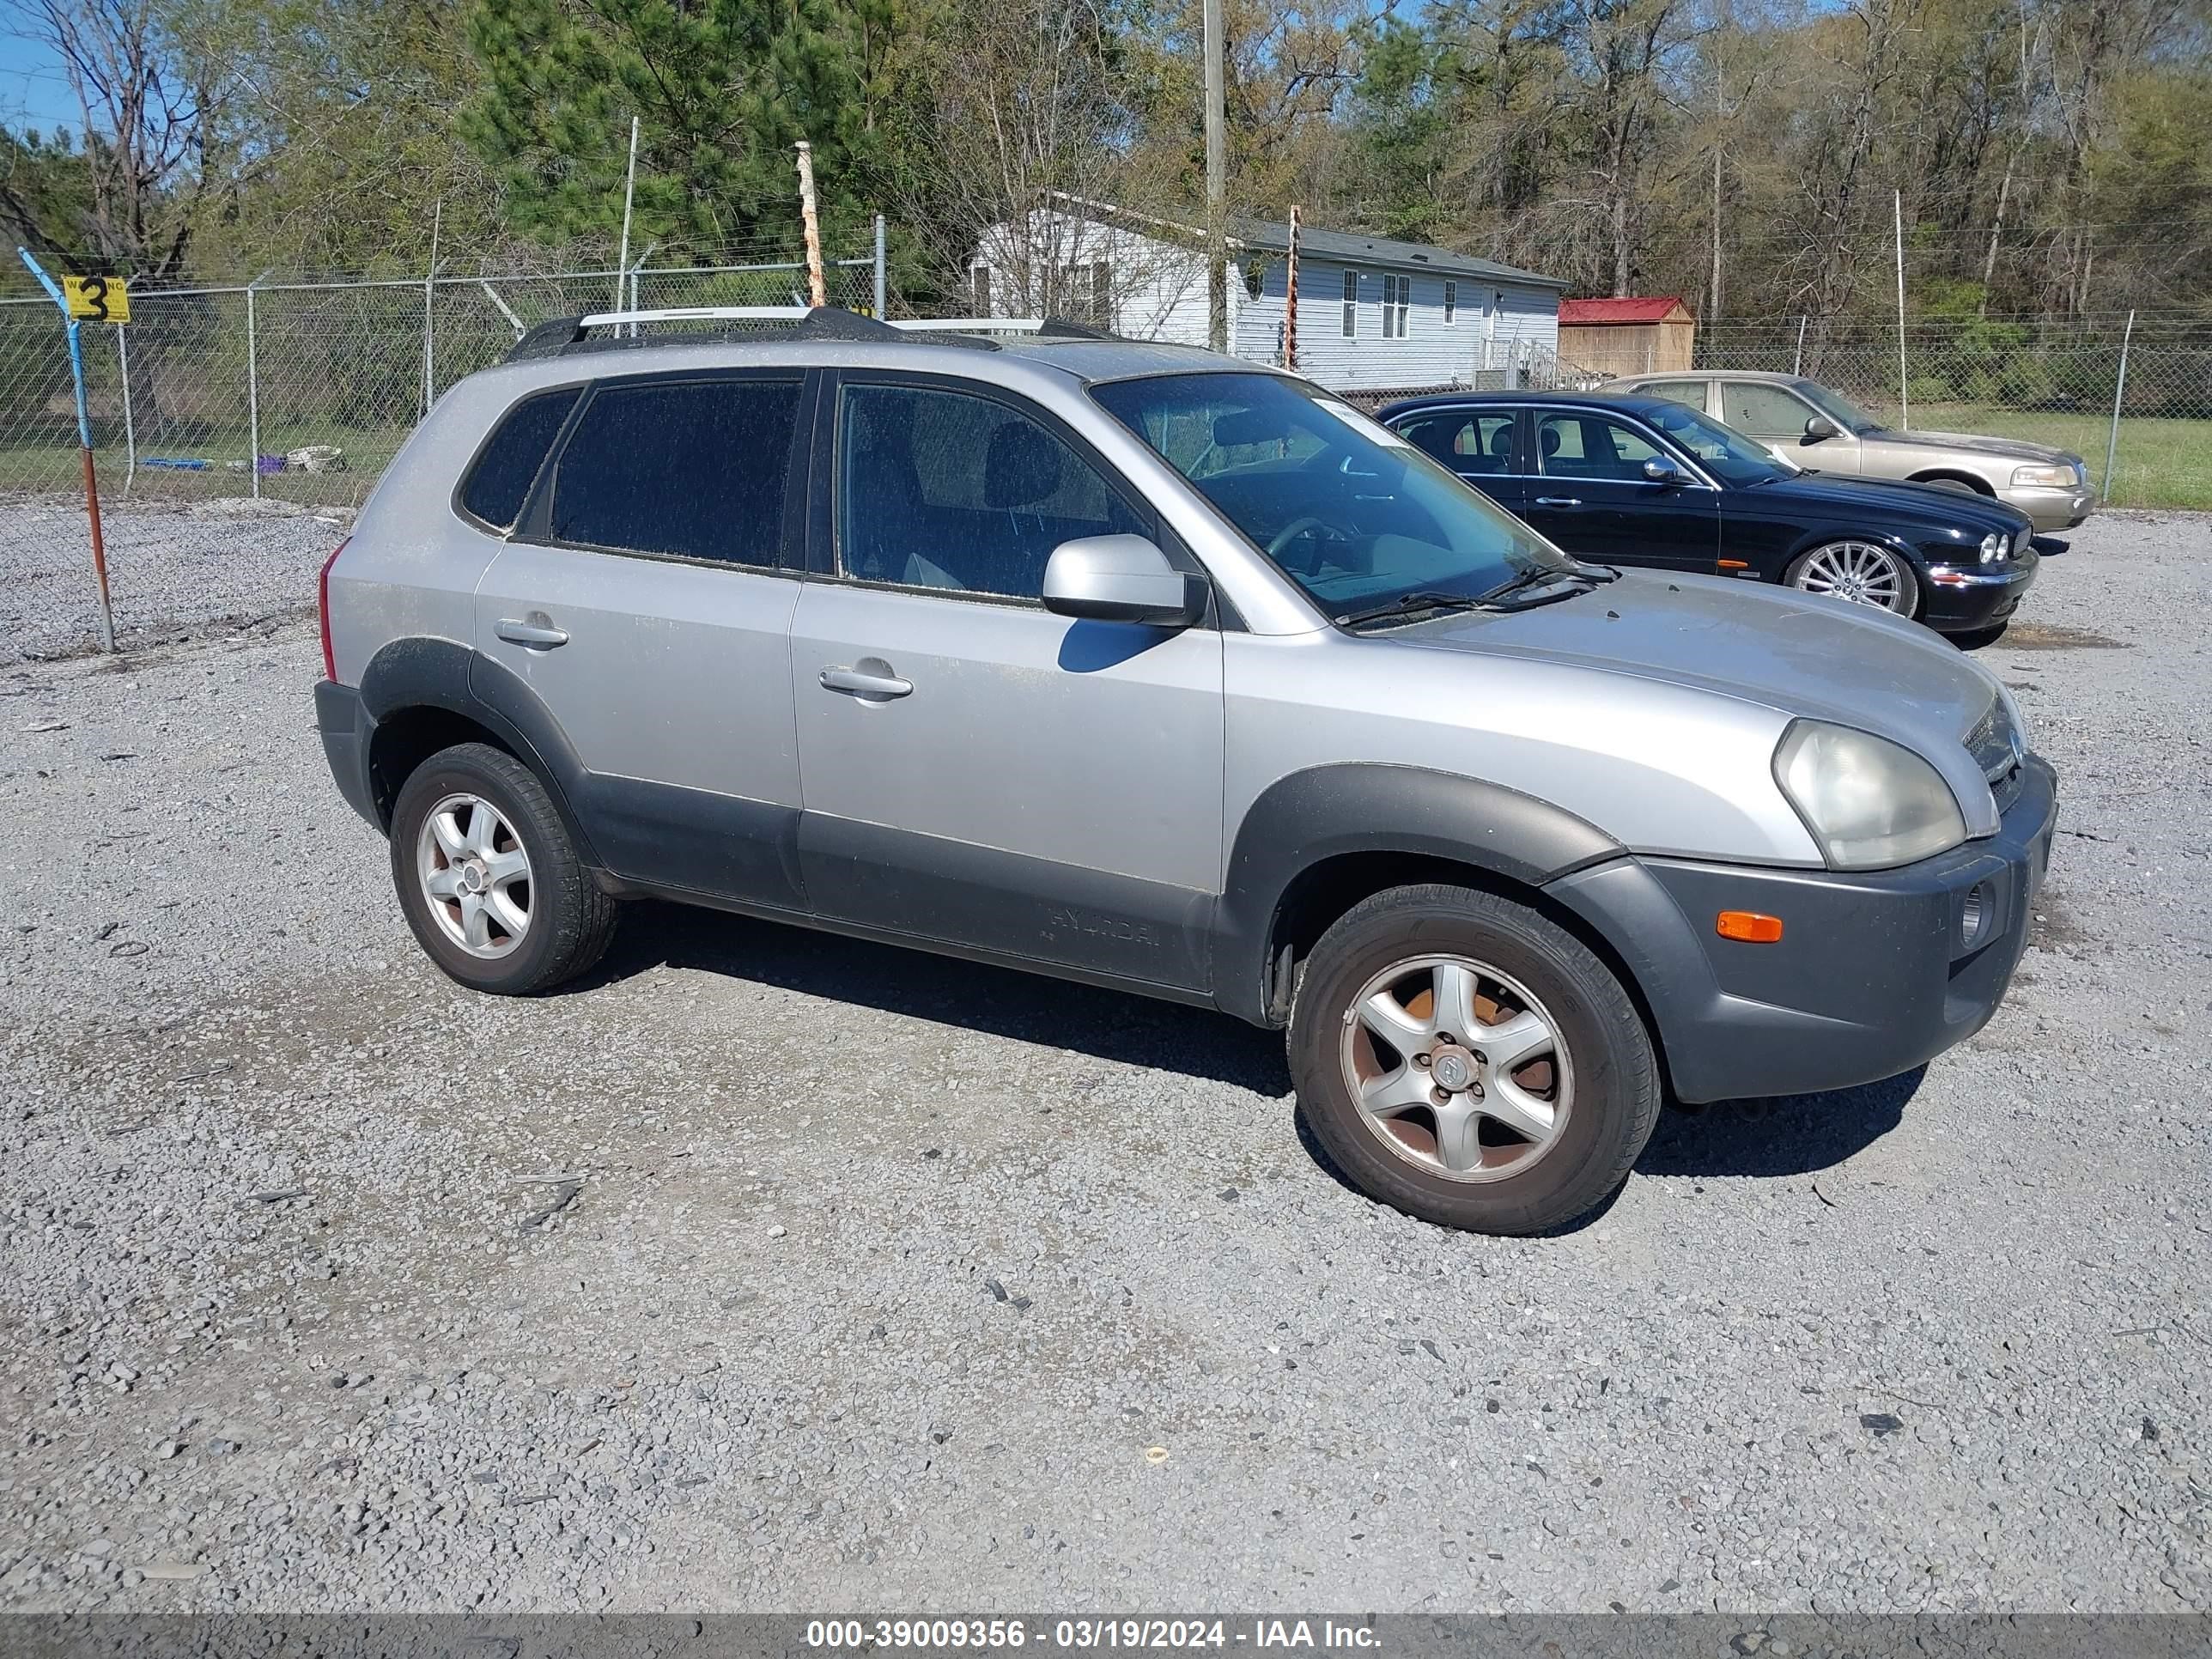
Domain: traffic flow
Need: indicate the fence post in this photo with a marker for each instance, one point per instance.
(429, 292)
(84, 440)
(130, 428)
(1903, 392)
(1797, 364)
(882, 300)
(2119, 390)
(252, 399)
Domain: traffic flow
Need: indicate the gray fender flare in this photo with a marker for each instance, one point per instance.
(1306, 818)
(435, 673)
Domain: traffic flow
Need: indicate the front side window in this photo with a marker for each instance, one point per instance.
(685, 469)
(1763, 411)
(1574, 444)
(499, 482)
(944, 490)
(1836, 406)
(1351, 304)
(1349, 510)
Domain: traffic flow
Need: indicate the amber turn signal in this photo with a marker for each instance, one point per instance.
(1749, 927)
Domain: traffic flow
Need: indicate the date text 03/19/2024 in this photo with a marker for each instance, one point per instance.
(1091, 1634)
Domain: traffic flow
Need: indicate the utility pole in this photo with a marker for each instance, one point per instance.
(629, 189)
(1720, 119)
(1290, 295)
(1216, 187)
(817, 295)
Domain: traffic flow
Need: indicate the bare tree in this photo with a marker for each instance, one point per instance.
(148, 116)
(1029, 164)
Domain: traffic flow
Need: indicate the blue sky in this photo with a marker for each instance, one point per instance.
(33, 91)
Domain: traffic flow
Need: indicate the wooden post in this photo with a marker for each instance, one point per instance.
(1290, 297)
(817, 295)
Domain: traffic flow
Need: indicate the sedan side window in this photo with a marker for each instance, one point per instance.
(1577, 445)
(1764, 411)
(944, 490)
(1471, 443)
(685, 469)
(1692, 392)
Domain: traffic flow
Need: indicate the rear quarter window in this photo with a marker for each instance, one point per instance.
(498, 480)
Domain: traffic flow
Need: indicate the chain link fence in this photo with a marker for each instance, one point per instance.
(2140, 393)
(235, 428)
(303, 392)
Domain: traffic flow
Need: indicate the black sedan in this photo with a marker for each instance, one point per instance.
(1647, 482)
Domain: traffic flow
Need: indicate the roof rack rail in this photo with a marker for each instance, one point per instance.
(559, 335)
(1049, 328)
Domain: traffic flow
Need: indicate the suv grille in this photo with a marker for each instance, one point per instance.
(1997, 748)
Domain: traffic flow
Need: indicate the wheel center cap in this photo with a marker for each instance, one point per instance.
(472, 878)
(1452, 1068)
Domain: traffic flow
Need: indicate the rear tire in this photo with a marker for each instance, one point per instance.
(489, 877)
(1463, 1058)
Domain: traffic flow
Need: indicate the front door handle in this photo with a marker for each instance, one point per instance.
(538, 632)
(1558, 500)
(862, 684)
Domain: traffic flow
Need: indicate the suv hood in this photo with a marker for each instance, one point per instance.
(1795, 653)
(2014, 449)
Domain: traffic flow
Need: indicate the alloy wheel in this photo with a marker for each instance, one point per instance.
(1457, 1067)
(474, 874)
(1858, 571)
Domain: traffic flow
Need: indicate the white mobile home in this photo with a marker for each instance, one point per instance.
(1373, 314)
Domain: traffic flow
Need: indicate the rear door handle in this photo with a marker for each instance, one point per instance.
(865, 685)
(1558, 500)
(538, 633)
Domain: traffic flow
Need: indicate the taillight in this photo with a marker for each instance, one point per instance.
(323, 609)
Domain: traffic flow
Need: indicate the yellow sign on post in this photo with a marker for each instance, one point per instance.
(97, 299)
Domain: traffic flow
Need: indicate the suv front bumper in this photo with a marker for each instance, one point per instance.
(1874, 973)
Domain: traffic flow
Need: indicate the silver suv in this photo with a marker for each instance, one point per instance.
(1149, 668)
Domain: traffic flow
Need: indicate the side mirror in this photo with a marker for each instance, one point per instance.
(1123, 579)
(1817, 427)
(1662, 470)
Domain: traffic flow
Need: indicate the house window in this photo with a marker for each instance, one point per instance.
(1451, 303)
(1397, 298)
(1351, 305)
(979, 280)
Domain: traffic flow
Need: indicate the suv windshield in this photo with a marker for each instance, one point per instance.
(1836, 406)
(1730, 456)
(1349, 510)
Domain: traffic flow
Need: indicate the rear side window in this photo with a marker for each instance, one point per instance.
(507, 467)
(691, 469)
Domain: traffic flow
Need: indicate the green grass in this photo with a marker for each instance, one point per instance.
(2163, 462)
(52, 463)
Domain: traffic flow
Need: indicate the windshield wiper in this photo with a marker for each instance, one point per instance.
(1540, 575)
(1407, 603)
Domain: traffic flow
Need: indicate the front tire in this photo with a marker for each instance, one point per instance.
(488, 878)
(1467, 1061)
(1861, 571)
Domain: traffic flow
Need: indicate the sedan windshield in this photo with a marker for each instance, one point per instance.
(1735, 460)
(1362, 521)
(1836, 406)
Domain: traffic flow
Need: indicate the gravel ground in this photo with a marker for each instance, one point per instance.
(771, 1270)
(175, 571)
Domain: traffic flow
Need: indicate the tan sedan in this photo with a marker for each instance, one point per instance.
(1809, 425)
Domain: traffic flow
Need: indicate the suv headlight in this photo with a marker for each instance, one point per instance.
(1869, 803)
(1994, 547)
(2053, 478)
